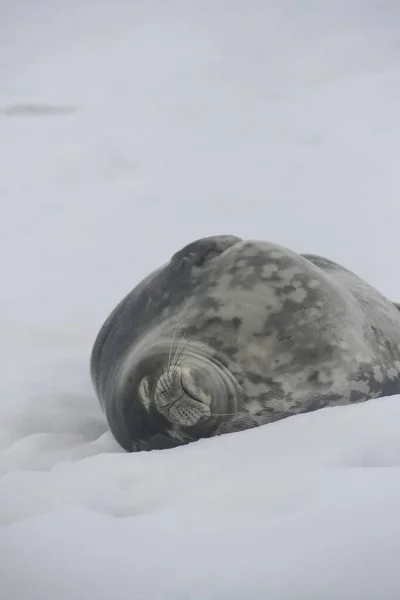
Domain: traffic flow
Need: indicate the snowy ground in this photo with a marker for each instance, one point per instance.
(128, 129)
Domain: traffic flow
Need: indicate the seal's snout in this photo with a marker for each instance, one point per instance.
(180, 398)
(172, 398)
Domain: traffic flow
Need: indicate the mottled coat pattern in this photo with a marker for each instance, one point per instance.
(294, 333)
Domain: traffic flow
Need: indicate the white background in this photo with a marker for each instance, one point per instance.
(128, 129)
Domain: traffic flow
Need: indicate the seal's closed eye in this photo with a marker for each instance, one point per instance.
(203, 250)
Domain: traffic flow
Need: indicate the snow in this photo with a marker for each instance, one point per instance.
(127, 130)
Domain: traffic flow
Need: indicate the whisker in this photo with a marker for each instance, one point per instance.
(179, 354)
(180, 347)
(219, 414)
(162, 386)
(177, 362)
(172, 342)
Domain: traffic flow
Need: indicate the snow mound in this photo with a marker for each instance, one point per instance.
(307, 504)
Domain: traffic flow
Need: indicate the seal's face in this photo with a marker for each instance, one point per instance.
(179, 394)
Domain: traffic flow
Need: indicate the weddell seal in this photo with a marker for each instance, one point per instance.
(232, 334)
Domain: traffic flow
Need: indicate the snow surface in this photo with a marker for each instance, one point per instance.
(128, 129)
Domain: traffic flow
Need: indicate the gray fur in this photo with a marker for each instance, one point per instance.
(232, 334)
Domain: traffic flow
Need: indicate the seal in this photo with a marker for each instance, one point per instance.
(232, 334)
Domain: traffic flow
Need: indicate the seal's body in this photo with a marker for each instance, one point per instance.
(231, 334)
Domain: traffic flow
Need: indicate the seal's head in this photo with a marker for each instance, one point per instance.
(174, 394)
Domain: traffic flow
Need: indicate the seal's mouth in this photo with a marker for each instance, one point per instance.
(190, 390)
(186, 387)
